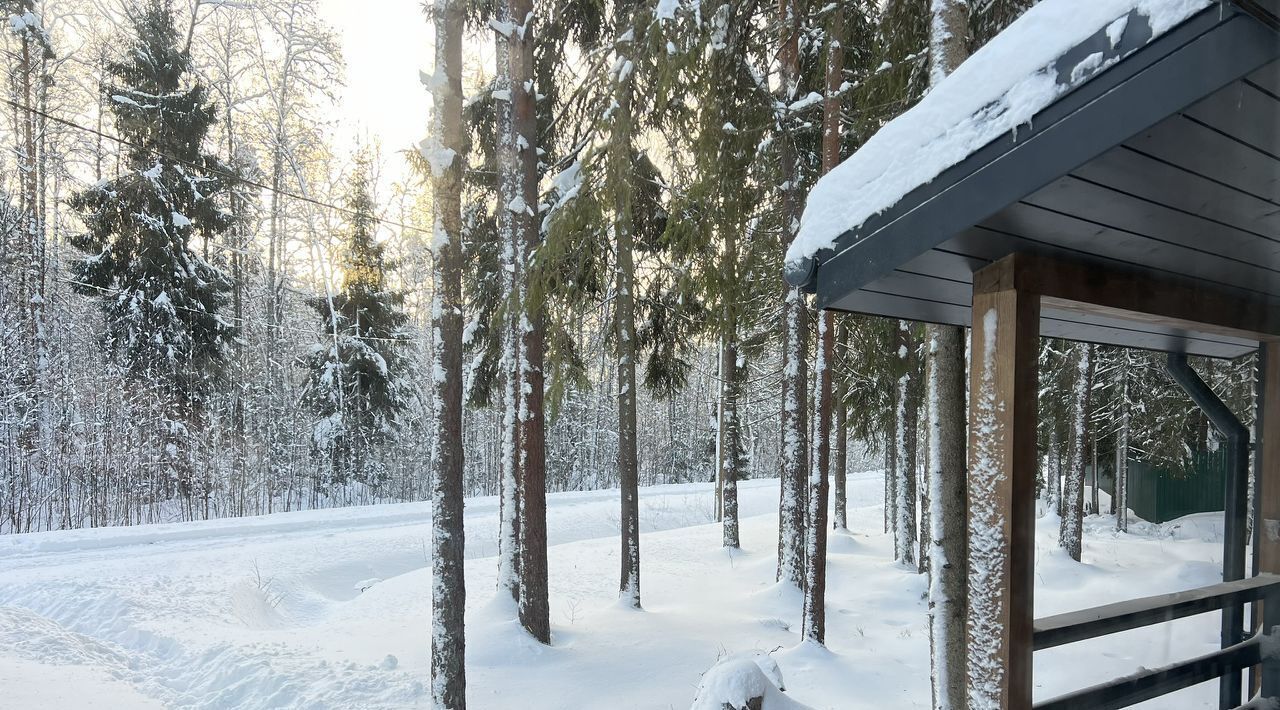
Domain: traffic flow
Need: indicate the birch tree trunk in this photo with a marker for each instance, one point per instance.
(448, 586)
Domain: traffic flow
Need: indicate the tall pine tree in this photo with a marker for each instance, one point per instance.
(445, 152)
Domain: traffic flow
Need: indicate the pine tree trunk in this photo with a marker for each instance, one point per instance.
(795, 430)
(730, 434)
(891, 470)
(1052, 471)
(814, 621)
(924, 544)
(795, 355)
(947, 416)
(509, 188)
(729, 446)
(840, 517)
(905, 447)
(620, 168)
(1093, 491)
(535, 614)
(948, 519)
(1073, 484)
(815, 572)
(448, 587)
(718, 424)
(1120, 497)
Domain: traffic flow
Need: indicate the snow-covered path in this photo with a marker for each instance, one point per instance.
(331, 609)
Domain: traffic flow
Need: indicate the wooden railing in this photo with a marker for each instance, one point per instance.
(1258, 650)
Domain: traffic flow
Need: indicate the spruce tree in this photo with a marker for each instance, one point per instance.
(159, 297)
(606, 225)
(717, 226)
(353, 381)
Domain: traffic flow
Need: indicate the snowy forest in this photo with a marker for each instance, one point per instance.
(219, 301)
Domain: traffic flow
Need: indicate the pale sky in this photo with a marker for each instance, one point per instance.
(385, 44)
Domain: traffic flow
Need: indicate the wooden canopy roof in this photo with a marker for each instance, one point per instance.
(1164, 166)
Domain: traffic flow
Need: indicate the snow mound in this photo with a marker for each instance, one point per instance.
(736, 680)
(1204, 527)
(1001, 87)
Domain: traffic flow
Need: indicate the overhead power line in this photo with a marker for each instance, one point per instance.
(232, 176)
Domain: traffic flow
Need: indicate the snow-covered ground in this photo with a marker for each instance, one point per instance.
(329, 609)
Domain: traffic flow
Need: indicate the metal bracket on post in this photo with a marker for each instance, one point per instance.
(1236, 499)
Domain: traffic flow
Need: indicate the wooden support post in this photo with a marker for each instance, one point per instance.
(1002, 465)
(1268, 484)
(1267, 495)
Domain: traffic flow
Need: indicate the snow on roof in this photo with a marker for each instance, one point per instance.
(1001, 87)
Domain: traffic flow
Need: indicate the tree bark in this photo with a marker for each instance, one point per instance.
(1073, 484)
(905, 447)
(1120, 494)
(730, 464)
(795, 418)
(840, 463)
(947, 412)
(448, 586)
(1093, 490)
(814, 623)
(815, 574)
(513, 267)
(1052, 471)
(948, 529)
(891, 471)
(534, 610)
(32, 84)
(620, 167)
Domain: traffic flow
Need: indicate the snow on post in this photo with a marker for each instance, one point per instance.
(988, 545)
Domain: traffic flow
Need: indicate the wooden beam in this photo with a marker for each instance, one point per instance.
(1106, 291)
(1148, 684)
(1135, 613)
(1002, 465)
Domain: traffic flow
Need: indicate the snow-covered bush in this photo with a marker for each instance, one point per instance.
(743, 682)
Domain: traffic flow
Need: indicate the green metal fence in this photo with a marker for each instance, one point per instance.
(1159, 495)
